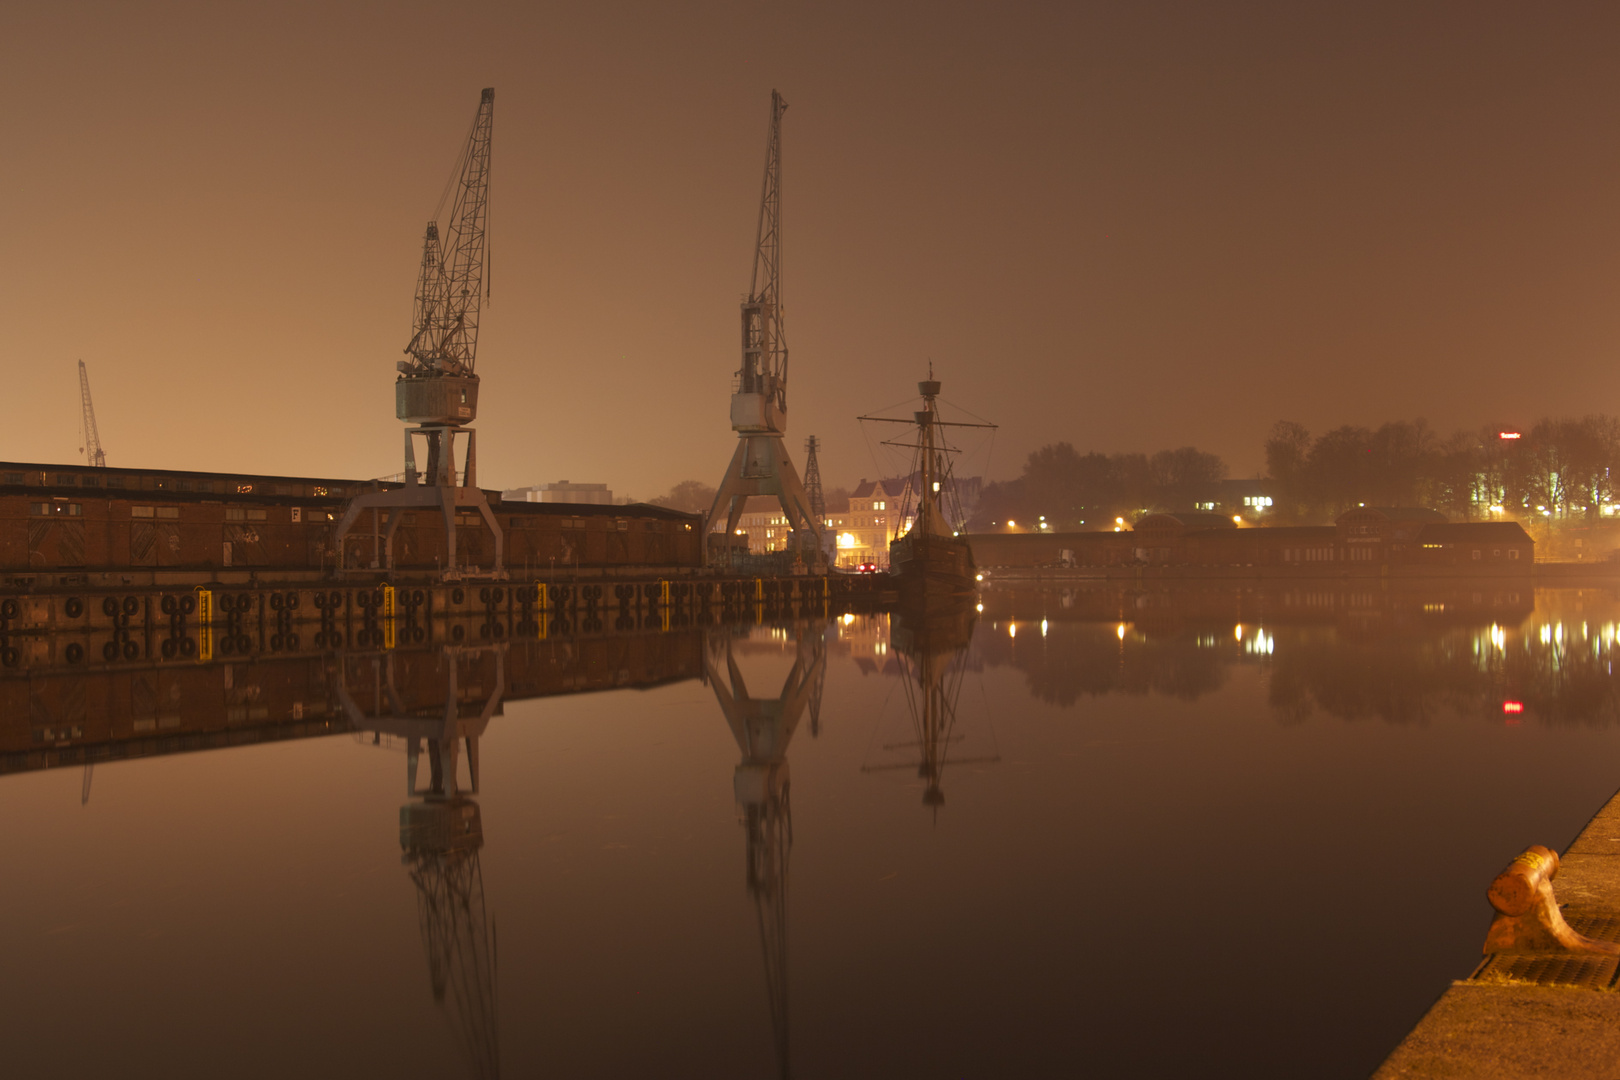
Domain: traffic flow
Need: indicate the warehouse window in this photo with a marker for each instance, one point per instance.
(14, 478)
(168, 511)
(1476, 553)
(144, 511)
(1514, 554)
(39, 509)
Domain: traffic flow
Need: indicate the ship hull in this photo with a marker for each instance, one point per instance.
(928, 566)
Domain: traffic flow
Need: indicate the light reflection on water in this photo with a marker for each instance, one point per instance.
(1157, 832)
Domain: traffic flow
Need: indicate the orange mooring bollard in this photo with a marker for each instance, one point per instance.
(1527, 915)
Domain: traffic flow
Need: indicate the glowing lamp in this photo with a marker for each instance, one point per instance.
(1512, 708)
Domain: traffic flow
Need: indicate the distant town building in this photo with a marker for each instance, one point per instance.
(563, 491)
(878, 512)
(881, 510)
(1253, 500)
(764, 525)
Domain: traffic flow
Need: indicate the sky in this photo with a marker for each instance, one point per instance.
(1130, 226)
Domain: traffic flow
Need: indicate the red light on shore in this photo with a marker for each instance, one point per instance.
(1512, 708)
(1508, 435)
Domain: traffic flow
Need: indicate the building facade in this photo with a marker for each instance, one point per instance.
(563, 491)
(56, 518)
(882, 510)
(1364, 541)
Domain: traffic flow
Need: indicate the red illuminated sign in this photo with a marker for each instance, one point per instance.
(1512, 707)
(1508, 435)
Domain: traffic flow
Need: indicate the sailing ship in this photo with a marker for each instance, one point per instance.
(931, 560)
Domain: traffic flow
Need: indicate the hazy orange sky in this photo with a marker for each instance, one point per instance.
(1130, 226)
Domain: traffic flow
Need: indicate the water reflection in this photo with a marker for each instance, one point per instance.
(1402, 656)
(1399, 655)
(443, 701)
(763, 728)
(931, 650)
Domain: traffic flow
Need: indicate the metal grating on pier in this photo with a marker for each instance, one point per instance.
(1551, 969)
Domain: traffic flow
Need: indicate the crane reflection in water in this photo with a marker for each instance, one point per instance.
(441, 832)
(763, 728)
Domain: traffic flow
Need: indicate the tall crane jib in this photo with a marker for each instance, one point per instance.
(437, 383)
(760, 403)
(93, 454)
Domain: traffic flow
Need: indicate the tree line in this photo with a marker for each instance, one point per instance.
(1071, 490)
(1563, 468)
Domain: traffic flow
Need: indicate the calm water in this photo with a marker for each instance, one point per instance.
(1084, 832)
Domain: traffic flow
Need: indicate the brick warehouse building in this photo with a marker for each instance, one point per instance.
(55, 517)
(1365, 541)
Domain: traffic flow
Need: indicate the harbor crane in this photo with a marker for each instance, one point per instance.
(436, 387)
(760, 465)
(94, 456)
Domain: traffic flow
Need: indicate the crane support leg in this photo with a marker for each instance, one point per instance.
(761, 466)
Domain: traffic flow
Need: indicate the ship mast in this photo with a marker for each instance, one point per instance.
(931, 471)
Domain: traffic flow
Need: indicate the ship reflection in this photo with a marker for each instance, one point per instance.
(763, 728)
(931, 645)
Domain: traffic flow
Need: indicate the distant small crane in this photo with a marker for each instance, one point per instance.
(94, 456)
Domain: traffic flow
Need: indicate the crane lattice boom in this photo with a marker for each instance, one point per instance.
(765, 355)
(450, 291)
(93, 454)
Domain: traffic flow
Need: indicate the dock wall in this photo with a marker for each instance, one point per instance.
(1552, 1016)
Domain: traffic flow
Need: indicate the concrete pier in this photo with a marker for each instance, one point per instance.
(1549, 1016)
